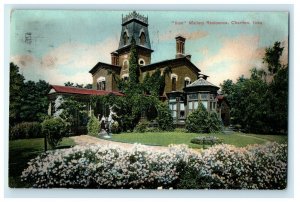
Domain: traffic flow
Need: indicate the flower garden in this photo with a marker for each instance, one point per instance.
(219, 167)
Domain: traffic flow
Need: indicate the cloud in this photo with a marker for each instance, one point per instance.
(234, 58)
(67, 62)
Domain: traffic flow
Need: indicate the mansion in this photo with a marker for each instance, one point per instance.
(185, 86)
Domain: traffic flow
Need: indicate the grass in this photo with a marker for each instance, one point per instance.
(179, 137)
(21, 151)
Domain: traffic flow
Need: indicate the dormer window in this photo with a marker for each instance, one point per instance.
(125, 38)
(125, 65)
(187, 81)
(142, 39)
(174, 78)
(101, 83)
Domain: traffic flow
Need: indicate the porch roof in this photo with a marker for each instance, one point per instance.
(81, 91)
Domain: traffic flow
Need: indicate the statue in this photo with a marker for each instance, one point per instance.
(110, 119)
(106, 123)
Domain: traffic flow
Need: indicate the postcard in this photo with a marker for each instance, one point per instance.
(148, 99)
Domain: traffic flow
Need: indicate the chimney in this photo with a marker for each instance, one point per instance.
(114, 58)
(180, 46)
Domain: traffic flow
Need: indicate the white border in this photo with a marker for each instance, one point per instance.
(147, 193)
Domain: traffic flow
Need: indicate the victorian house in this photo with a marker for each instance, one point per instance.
(185, 86)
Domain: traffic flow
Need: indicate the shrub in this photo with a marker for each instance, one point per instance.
(25, 130)
(115, 128)
(54, 129)
(206, 140)
(141, 127)
(200, 121)
(93, 126)
(164, 118)
(219, 167)
(105, 167)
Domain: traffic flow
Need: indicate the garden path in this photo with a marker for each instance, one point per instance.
(85, 140)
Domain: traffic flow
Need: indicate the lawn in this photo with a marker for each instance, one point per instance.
(180, 137)
(21, 151)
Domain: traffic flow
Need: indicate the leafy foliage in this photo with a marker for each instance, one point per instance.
(164, 118)
(15, 88)
(74, 114)
(141, 127)
(201, 121)
(154, 84)
(257, 105)
(54, 129)
(134, 70)
(28, 100)
(206, 140)
(25, 130)
(219, 167)
(93, 126)
(71, 84)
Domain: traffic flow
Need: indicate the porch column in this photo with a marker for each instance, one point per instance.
(50, 108)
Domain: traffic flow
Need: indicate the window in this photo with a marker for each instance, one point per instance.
(173, 108)
(173, 84)
(182, 111)
(142, 38)
(193, 96)
(141, 62)
(101, 83)
(125, 38)
(125, 64)
(204, 104)
(204, 96)
(187, 81)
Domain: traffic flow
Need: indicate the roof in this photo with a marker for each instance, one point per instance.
(201, 82)
(167, 62)
(105, 65)
(82, 91)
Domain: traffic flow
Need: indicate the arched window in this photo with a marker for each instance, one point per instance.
(125, 64)
(125, 38)
(187, 81)
(101, 83)
(174, 78)
(142, 38)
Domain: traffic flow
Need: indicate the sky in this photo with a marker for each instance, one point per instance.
(63, 45)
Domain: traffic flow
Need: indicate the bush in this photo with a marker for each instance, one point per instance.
(93, 126)
(26, 130)
(200, 121)
(206, 140)
(164, 118)
(55, 129)
(219, 167)
(141, 127)
(115, 128)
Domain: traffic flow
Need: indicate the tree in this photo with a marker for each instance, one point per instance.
(34, 102)
(272, 57)
(15, 97)
(71, 84)
(258, 105)
(74, 114)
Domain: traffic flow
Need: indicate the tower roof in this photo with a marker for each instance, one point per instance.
(135, 25)
(134, 16)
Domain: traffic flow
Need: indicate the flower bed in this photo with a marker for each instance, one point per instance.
(221, 167)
